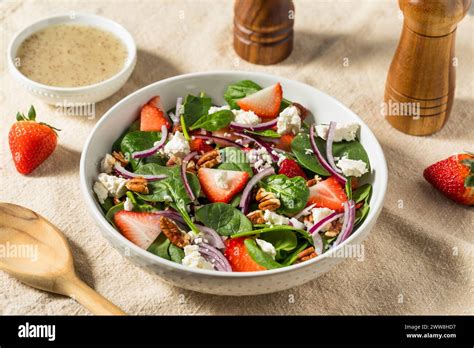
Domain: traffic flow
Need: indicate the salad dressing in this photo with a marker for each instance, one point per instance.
(71, 55)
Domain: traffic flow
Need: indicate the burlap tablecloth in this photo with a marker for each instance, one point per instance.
(418, 259)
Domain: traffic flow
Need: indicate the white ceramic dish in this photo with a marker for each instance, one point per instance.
(86, 94)
(325, 109)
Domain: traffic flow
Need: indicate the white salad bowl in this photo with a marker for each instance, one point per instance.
(323, 107)
(84, 94)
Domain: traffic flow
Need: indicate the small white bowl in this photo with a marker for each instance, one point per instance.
(85, 94)
(324, 108)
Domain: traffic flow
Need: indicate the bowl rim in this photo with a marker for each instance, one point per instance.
(382, 176)
(120, 32)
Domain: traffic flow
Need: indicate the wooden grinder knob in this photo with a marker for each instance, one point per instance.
(420, 85)
(263, 30)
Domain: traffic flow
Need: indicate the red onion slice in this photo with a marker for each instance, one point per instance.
(175, 119)
(221, 139)
(184, 177)
(348, 224)
(321, 159)
(329, 142)
(245, 200)
(129, 175)
(260, 143)
(256, 127)
(158, 145)
(214, 256)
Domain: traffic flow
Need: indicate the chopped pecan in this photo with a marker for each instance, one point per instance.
(308, 219)
(267, 200)
(314, 181)
(120, 157)
(334, 229)
(173, 160)
(138, 184)
(256, 217)
(174, 234)
(177, 128)
(191, 167)
(306, 254)
(209, 159)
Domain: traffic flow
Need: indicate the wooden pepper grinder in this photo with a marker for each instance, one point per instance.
(419, 91)
(263, 30)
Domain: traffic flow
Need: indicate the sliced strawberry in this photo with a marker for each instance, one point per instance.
(265, 103)
(139, 228)
(284, 142)
(152, 119)
(221, 185)
(156, 102)
(291, 168)
(328, 194)
(200, 145)
(226, 133)
(239, 258)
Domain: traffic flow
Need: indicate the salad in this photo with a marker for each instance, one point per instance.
(247, 186)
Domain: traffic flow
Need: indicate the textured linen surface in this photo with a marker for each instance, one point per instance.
(418, 258)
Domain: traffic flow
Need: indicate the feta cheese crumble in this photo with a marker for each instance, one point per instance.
(246, 117)
(128, 205)
(115, 186)
(100, 191)
(177, 146)
(107, 164)
(259, 158)
(343, 131)
(350, 167)
(318, 215)
(275, 219)
(266, 247)
(193, 258)
(289, 121)
(214, 109)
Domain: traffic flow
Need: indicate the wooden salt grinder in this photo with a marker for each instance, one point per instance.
(263, 30)
(422, 74)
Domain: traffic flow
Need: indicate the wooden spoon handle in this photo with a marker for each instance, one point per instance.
(90, 299)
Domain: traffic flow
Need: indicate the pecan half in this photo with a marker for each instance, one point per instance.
(209, 159)
(173, 160)
(306, 254)
(334, 229)
(267, 200)
(174, 234)
(314, 181)
(120, 157)
(256, 217)
(138, 184)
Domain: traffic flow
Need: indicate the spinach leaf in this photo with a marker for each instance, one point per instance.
(112, 211)
(215, 121)
(282, 240)
(263, 228)
(135, 126)
(235, 159)
(291, 258)
(361, 214)
(170, 189)
(292, 192)
(236, 200)
(223, 218)
(238, 91)
(361, 193)
(108, 203)
(300, 147)
(268, 133)
(195, 107)
(160, 246)
(352, 149)
(176, 254)
(138, 141)
(263, 259)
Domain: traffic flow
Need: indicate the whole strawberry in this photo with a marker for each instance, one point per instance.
(454, 177)
(31, 142)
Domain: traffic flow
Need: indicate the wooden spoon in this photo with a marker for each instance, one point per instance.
(37, 253)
